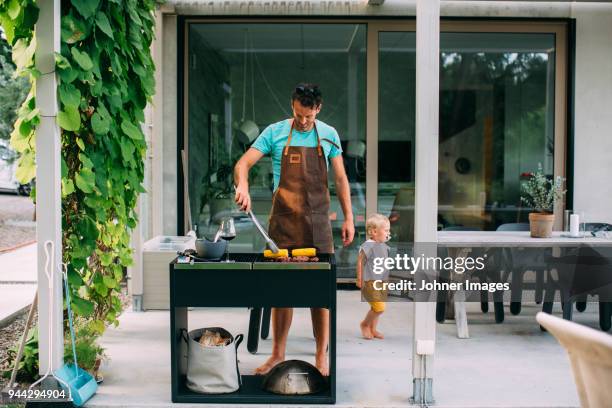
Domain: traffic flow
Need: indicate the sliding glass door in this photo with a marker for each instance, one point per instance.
(502, 114)
(240, 77)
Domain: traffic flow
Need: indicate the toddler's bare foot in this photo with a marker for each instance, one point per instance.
(366, 332)
(378, 334)
(268, 365)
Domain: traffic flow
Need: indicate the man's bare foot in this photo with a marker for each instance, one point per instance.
(366, 332)
(321, 364)
(378, 334)
(268, 365)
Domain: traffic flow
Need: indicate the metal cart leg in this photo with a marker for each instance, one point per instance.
(254, 327)
(265, 322)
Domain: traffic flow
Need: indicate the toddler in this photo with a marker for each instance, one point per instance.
(377, 230)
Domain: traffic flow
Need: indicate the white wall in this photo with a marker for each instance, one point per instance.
(169, 126)
(593, 112)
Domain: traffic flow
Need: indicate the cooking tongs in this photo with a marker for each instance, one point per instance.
(271, 244)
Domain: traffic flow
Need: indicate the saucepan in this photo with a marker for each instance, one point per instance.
(210, 250)
(294, 377)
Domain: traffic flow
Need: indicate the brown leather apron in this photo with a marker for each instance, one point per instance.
(300, 205)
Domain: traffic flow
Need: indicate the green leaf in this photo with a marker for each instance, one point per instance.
(106, 258)
(99, 286)
(130, 130)
(8, 25)
(61, 62)
(67, 187)
(69, 119)
(80, 143)
(68, 75)
(86, 7)
(85, 180)
(81, 58)
(87, 164)
(100, 124)
(104, 24)
(13, 9)
(82, 307)
(97, 326)
(30, 16)
(24, 128)
(31, 115)
(88, 229)
(70, 95)
(23, 53)
(118, 272)
(74, 279)
(127, 151)
(26, 168)
(126, 260)
(74, 29)
(109, 282)
(64, 168)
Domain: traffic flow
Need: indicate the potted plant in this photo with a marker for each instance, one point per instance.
(541, 194)
(217, 191)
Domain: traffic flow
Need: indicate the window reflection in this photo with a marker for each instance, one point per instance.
(496, 125)
(240, 79)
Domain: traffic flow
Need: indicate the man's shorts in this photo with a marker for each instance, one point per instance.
(376, 298)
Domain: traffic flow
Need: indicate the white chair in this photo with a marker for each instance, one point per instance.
(590, 353)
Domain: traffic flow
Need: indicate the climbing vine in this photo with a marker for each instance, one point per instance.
(105, 73)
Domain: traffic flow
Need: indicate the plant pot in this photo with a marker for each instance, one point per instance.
(541, 224)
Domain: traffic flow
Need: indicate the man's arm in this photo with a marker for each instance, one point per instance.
(343, 190)
(241, 177)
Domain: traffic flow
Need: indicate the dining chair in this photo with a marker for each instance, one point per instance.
(581, 272)
(518, 261)
(581, 304)
(483, 276)
(590, 355)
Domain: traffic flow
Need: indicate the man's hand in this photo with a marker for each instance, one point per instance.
(348, 232)
(358, 282)
(242, 197)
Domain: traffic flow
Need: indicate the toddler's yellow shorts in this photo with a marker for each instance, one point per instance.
(376, 298)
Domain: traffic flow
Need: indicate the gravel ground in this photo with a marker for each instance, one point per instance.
(10, 336)
(17, 224)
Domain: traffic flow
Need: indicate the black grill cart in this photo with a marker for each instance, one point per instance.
(249, 281)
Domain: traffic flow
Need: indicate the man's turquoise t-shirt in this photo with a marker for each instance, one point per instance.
(273, 139)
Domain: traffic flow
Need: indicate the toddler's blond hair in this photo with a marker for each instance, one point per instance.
(375, 221)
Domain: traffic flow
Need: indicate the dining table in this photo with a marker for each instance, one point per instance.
(461, 243)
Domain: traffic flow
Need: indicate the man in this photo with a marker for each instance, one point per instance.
(301, 149)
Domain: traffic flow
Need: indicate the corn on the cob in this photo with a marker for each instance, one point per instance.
(304, 252)
(282, 253)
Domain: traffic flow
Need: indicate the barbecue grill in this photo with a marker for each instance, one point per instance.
(255, 282)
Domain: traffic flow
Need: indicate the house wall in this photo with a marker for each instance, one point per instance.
(593, 80)
(593, 140)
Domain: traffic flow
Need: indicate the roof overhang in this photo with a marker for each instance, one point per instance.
(373, 8)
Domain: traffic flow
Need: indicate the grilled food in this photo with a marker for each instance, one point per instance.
(282, 253)
(304, 252)
(293, 259)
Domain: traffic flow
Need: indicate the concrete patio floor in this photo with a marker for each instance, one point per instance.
(512, 364)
